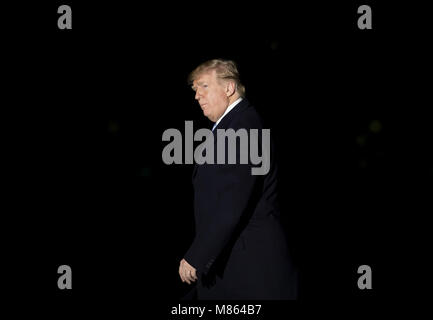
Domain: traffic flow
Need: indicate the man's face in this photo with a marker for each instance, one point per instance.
(211, 95)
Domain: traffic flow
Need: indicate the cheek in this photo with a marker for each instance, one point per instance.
(212, 100)
(218, 99)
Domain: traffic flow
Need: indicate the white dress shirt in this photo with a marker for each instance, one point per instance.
(227, 111)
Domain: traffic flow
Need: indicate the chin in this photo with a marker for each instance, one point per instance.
(209, 117)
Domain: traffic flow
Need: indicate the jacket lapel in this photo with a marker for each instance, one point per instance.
(194, 171)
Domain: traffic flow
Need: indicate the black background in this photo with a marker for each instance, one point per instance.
(88, 107)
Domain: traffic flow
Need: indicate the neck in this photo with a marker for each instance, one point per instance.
(233, 98)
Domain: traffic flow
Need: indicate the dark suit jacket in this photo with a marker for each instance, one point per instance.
(240, 249)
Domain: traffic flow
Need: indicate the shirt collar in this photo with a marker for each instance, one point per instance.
(230, 107)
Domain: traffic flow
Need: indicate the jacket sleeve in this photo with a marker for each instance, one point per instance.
(235, 186)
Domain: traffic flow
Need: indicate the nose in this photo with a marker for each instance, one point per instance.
(197, 95)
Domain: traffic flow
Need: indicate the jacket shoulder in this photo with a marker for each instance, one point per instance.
(248, 118)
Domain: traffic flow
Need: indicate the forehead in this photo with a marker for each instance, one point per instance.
(206, 76)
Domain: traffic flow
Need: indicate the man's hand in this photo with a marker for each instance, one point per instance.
(187, 272)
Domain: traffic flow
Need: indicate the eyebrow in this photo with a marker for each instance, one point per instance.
(193, 87)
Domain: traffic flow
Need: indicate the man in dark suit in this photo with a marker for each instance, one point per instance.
(240, 249)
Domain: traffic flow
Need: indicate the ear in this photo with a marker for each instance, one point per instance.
(230, 88)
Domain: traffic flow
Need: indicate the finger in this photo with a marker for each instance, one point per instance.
(192, 276)
(181, 272)
(189, 276)
(187, 280)
(186, 272)
(185, 276)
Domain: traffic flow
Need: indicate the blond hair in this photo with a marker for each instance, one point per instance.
(225, 70)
